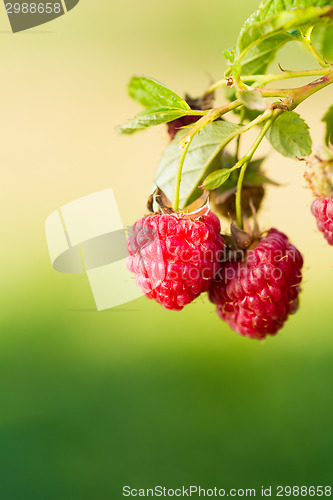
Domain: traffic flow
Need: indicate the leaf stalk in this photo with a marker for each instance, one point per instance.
(265, 79)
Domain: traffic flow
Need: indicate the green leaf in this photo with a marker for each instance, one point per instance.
(152, 94)
(328, 119)
(322, 39)
(216, 179)
(261, 28)
(162, 104)
(275, 23)
(260, 55)
(205, 146)
(149, 118)
(290, 136)
(252, 99)
(257, 59)
(272, 7)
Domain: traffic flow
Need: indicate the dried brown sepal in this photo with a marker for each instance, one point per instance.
(199, 208)
(242, 239)
(198, 203)
(198, 213)
(163, 203)
(203, 103)
(150, 203)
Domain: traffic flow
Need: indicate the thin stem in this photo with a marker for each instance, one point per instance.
(197, 112)
(243, 163)
(261, 118)
(216, 85)
(237, 147)
(308, 44)
(179, 176)
(265, 79)
(242, 115)
(239, 195)
(210, 117)
(286, 75)
(241, 130)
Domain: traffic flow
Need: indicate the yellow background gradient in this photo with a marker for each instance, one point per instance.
(139, 395)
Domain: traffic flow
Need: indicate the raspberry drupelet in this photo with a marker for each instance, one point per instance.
(174, 256)
(256, 295)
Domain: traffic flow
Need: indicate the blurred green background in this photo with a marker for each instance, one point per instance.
(137, 395)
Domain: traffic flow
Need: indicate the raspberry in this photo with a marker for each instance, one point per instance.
(175, 257)
(322, 209)
(256, 295)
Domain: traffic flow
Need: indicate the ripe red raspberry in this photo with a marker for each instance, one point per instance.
(256, 295)
(174, 257)
(322, 209)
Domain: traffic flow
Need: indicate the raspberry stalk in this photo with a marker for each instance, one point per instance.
(178, 178)
(243, 163)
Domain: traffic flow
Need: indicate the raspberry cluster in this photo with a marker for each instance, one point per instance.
(175, 258)
(322, 209)
(255, 296)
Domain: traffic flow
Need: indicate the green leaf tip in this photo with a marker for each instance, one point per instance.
(152, 94)
(162, 104)
(216, 179)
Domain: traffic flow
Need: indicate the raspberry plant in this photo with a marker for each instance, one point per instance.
(177, 251)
